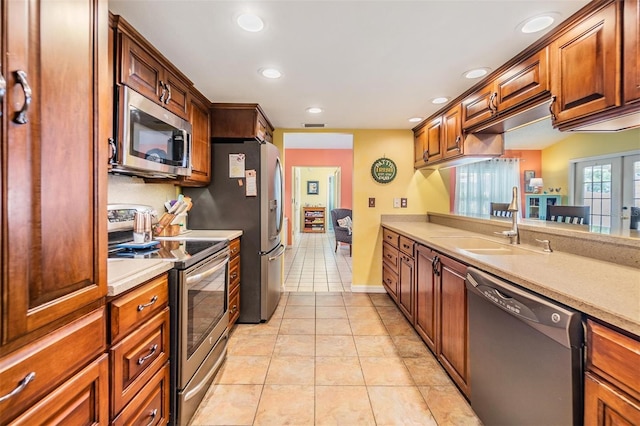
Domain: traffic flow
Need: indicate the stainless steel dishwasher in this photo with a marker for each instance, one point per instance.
(525, 355)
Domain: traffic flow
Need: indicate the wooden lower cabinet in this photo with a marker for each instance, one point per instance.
(390, 263)
(81, 400)
(234, 281)
(406, 282)
(426, 318)
(612, 379)
(453, 350)
(139, 354)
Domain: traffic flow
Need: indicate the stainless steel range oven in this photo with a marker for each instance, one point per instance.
(198, 299)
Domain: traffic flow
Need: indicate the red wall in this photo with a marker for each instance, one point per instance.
(342, 158)
(529, 160)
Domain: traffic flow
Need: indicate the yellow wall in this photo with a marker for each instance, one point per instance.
(423, 190)
(320, 174)
(555, 158)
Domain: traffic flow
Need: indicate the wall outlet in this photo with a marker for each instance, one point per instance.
(403, 203)
(396, 203)
(372, 202)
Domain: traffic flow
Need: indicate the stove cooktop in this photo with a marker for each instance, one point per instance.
(183, 252)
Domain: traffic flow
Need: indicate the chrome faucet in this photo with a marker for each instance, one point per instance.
(513, 234)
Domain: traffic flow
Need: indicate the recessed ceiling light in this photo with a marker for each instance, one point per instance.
(415, 119)
(314, 110)
(440, 100)
(250, 22)
(476, 73)
(270, 73)
(538, 23)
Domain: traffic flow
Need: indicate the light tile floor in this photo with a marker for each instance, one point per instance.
(332, 358)
(312, 265)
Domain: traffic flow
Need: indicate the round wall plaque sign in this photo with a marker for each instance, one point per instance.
(383, 170)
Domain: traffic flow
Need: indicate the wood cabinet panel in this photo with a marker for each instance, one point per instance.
(234, 247)
(151, 405)
(234, 281)
(234, 306)
(200, 141)
(133, 308)
(240, 121)
(406, 245)
(419, 146)
(140, 70)
(454, 330)
(452, 145)
(176, 98)
(136, 359)
(434, 144)
(50, 360)
(631, 36)
(585, 63)
(526, 81)
(81, 400)
(426, 316)
(607, 406)
(478, 107)
(406, 286)
(390, 281)
(390, 237)
(54, 256)
(390, 257)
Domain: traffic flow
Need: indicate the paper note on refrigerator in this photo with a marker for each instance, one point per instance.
(252, 187)
(236, 165)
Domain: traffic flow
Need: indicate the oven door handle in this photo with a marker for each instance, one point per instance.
(202, 275)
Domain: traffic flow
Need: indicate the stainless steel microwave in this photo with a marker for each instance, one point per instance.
(152, 141)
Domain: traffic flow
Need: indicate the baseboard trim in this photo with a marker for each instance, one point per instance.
(367, 289)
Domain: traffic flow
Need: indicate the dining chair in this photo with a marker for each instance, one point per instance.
(577, 215)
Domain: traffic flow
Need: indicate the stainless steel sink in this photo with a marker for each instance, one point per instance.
(485, 247)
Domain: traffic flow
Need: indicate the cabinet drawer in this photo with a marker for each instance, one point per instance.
(137, 357)
(390, 237)
(390, 257)
(234, 273)
(132, 309)
(234, 247)
(390, 280)
(151, 405)
(406, 245)
(234, 306)
(614, 356)
(81, 400)
(50, 360)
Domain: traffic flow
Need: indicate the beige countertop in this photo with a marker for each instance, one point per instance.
(125, 274)
(603, 290)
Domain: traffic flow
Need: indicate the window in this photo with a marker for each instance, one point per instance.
(609, 185)
(479, 184)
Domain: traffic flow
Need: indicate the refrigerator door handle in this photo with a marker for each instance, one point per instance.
(280, 252)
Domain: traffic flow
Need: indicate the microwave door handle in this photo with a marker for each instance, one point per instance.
(186, 136)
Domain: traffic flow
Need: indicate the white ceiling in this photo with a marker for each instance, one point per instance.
(368, 64)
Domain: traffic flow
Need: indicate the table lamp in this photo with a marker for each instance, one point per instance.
(536, 184)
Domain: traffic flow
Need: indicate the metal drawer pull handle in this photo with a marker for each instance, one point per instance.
(164, 91)
(168, 86)
(553, 101)
(154, 299)
(23, 384)
(3, 89)
(153, 415)
(21, 116)
(152, 351)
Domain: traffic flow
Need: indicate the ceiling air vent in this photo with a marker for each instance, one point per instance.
(313, 125)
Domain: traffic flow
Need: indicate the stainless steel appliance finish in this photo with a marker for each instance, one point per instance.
(525, 355)
(224, 204)
(152, 142)
(198, 297)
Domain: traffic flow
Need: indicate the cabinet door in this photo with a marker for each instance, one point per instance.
(522, 83)
(176, 95)
(426, 307)
(631, 38)
(452, 145)
(141, 71)
(54, 196)
(200, 142)
(605, 405)
(419, 146)
(454, 339)
(434, 147)
(405, 291)
(584, 65)
(478, 106)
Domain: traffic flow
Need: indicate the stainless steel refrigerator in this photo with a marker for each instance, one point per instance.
(235, 201)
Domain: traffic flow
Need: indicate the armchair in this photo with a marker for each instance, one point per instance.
(342, 234)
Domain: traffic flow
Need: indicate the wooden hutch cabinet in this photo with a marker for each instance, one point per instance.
(314, 219)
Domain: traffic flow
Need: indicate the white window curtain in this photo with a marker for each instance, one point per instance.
(481, 183)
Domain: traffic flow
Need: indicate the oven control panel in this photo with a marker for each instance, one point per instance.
(120, 216)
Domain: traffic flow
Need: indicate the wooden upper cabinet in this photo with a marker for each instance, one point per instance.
(200, 141)
(479, 106)
(146, 71)
(54, 165)
(523, 82)
(419, 146)
(240, 121)
(631, 70)
(585, 63)
(452, 143)
(434, 146)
